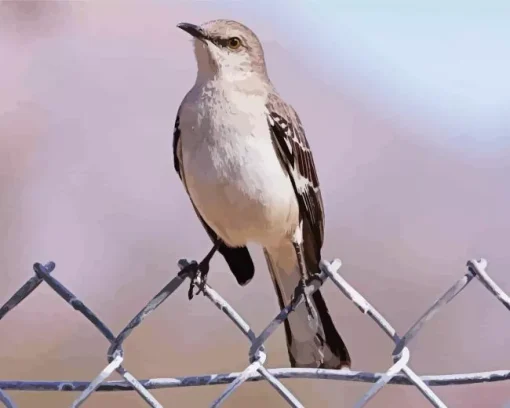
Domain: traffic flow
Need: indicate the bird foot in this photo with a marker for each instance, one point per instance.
(312, 315)
(199, 271)
(304, 289)
(199, 278)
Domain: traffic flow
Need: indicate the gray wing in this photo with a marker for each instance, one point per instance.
(238, 259)
(295, 154)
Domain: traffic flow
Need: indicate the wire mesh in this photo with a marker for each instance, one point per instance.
(398, 373)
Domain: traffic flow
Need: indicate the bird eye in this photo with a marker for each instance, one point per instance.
(234, 43)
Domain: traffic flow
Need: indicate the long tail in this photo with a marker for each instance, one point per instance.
(309, 343)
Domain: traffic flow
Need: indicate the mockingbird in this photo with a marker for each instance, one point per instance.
(243, 158)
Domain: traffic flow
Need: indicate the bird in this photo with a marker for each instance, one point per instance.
(243, 158)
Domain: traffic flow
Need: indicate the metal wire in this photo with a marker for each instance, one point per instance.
(398, 373)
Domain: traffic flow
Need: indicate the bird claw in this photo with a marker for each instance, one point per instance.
(302, 290)
(199, 279)
(311, 311)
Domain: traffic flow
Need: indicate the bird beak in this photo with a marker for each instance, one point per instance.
(193, 30)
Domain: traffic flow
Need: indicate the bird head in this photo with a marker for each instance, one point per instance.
(227, 49)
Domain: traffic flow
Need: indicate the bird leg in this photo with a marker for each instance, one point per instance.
(302, 282)
(200, 271)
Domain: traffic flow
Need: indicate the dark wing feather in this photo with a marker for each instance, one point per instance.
(295, 154)
(238, 259)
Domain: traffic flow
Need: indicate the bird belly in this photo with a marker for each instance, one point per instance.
(241, 190)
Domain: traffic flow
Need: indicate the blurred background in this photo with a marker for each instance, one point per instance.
(407, 108)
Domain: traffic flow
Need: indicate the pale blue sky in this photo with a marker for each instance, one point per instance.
(448, 63)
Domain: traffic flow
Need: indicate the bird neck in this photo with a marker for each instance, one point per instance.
(252, 85)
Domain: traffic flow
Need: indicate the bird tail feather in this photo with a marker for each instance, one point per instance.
(315, 343)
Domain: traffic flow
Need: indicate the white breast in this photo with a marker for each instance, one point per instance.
(232, 171)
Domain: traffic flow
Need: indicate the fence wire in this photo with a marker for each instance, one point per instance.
(398, 373)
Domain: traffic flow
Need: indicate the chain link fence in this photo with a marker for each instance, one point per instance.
(398, 373)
